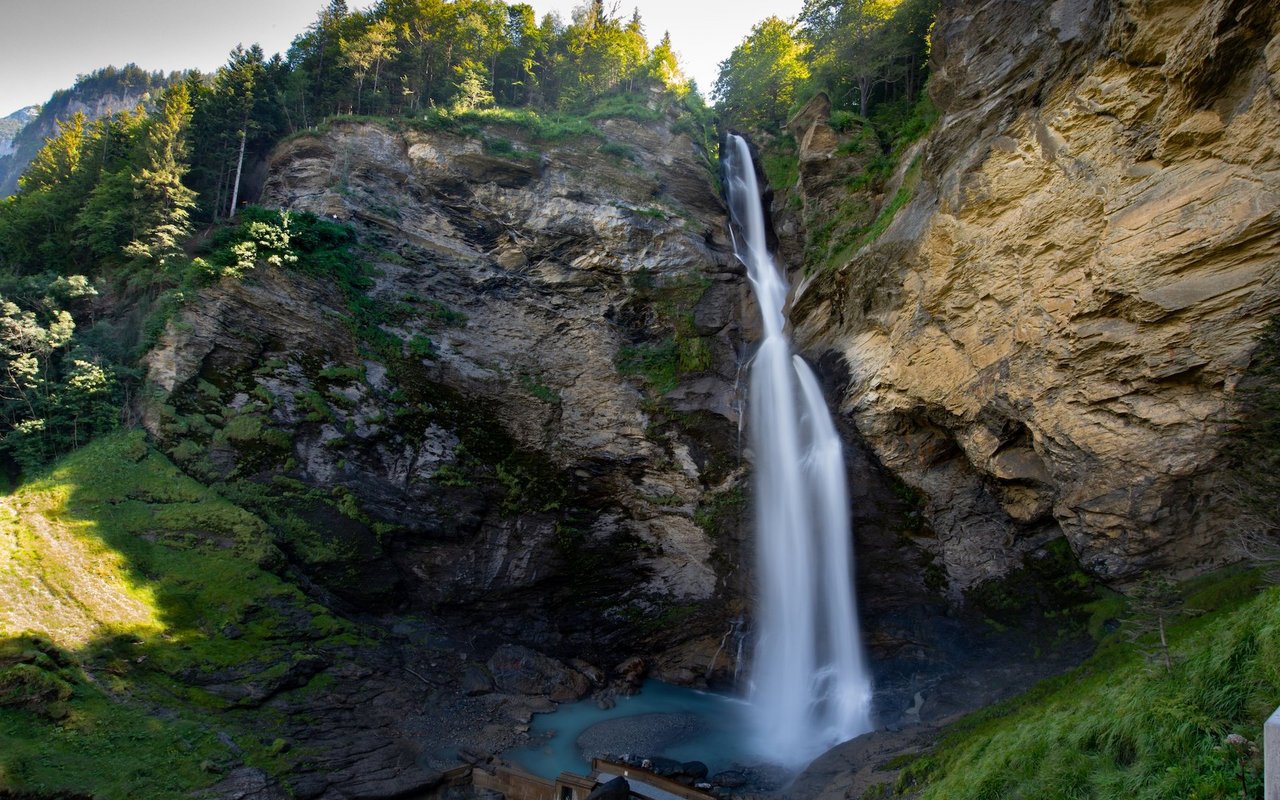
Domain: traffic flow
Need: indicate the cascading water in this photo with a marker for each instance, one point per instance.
(809, 685)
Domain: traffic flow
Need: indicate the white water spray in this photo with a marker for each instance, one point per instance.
(809, 685)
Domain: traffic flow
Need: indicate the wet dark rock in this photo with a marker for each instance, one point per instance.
(476, 680)
(695, 770)
(730, 779)
(245, 783)
(255, 682)
(616, 789)
(593, 673)
(631, 673)
(520, 670)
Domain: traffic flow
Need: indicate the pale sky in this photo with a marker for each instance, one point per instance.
(44, 44)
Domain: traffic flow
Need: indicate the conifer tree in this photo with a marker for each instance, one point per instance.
(58, 160)
(37, 226)
(106, 222)
(163, 203)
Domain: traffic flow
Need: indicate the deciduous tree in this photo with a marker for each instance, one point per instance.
(757, 83)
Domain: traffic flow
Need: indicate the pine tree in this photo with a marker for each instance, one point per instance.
(59, 159)
(472, 92)
(664, 68)
(163, 203)
(37, 225)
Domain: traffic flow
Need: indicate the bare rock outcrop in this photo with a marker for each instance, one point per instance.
(1046, 338)
(541, 449)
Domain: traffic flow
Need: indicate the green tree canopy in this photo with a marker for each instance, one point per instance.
(758, 82)
(859, 46)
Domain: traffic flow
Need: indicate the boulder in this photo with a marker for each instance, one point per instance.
(519, 670)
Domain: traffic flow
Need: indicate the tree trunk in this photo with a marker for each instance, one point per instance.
(235, 188)
(222, 182)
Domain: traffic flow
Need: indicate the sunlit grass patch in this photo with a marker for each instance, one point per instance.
(131, 594)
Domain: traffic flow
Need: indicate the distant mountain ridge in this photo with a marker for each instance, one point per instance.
(11, 125)
(98, 94)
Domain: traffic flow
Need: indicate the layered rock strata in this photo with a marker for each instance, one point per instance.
(1045, 339)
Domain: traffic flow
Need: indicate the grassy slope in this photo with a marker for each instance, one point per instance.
(1121, 725)
(131, 573)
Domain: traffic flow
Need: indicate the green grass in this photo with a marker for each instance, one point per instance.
(618, 150)
(539, 390)
(120, 575)
(781, 163)
(891, 209)
(657, 363)
(833, 242)
(1120, 725)
(625, 106)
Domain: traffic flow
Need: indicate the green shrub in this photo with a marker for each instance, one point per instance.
(658, 363)
(539, 390)
(340, 374)
(421, 347)
(845, 121)
(617, 150)
(498, 146)
(29, 686)
(440, 315)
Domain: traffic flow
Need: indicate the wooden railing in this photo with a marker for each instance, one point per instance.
(1271, 747)
(513, 784)
(599, 765)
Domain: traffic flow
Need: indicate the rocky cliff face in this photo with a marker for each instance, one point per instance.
(512, 453)
(12, 125)
(545, 432)
(1045, 339)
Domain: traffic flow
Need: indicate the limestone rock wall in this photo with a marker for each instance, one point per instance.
(1046, 338)
(519, 477)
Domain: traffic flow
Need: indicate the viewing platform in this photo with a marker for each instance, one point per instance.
(515, 784)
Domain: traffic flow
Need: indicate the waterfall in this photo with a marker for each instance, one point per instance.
(809, 687)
